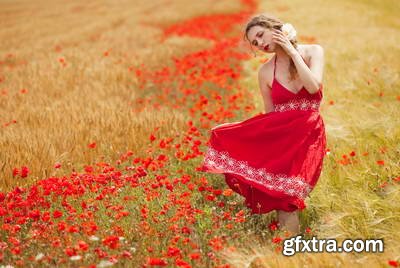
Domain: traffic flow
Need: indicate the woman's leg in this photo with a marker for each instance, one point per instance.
(289, 221)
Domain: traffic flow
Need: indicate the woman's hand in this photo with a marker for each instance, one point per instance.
(224, 124)
(281, 39)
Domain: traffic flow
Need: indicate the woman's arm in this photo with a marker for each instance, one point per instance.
(311, 77)
(265, 89)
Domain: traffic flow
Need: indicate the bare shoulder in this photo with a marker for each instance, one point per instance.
(312, 51)
(267, 65)
(265, 72)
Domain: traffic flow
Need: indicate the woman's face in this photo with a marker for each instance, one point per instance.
(261, 38)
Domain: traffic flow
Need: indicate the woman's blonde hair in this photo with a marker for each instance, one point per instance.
(270, 22)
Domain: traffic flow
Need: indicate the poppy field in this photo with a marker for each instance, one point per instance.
(106, 110)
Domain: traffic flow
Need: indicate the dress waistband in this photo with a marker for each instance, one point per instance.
(297, 104)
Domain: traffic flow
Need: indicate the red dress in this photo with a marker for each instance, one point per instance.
(273, 159)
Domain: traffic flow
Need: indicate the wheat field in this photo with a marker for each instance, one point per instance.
(103, 103)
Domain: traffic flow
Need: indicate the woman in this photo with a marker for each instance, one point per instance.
(275, 159)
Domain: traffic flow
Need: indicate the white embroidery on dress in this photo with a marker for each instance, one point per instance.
(294, 186)
(297, 104)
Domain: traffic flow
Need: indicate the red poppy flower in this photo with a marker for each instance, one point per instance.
(273, 225)
(276, 240)
(156, 261)
(92, 145)
(24, 171)
(57, 165)
(380, 162)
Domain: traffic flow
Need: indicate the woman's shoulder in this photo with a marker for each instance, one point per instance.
(311, 50)
(267, 65)
(266, 69)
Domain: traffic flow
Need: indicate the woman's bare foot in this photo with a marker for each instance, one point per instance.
(289, 221)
